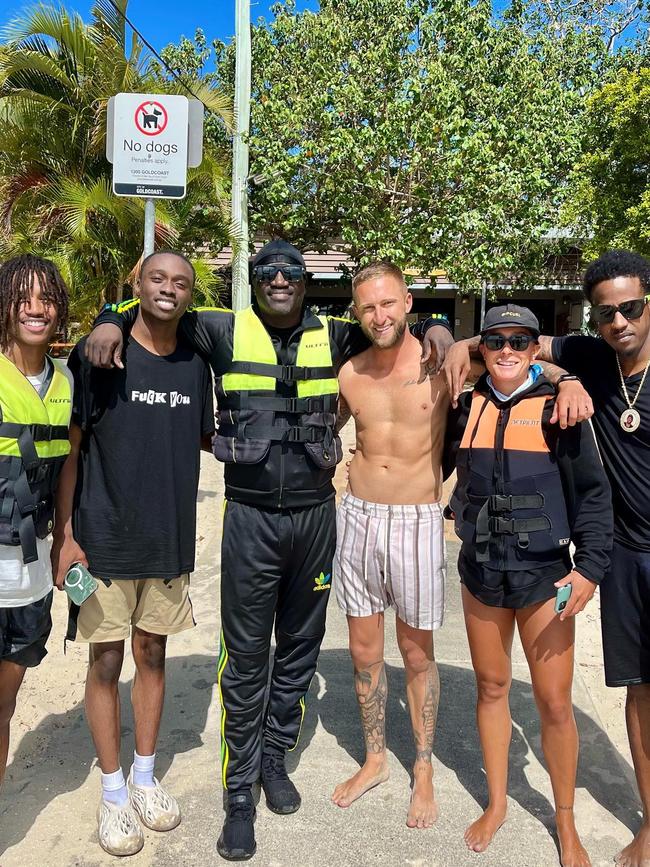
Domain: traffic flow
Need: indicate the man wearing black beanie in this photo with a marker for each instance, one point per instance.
(276, 365)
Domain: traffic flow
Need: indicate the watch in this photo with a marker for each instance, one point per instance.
(568, 377)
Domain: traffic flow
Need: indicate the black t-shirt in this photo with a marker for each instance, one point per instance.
(135, 502)
(626, 455)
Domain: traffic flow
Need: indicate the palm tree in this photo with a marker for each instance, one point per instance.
(56, 76)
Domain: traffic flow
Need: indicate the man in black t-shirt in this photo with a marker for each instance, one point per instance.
(134, 472)
(613, 367)
(275, 365)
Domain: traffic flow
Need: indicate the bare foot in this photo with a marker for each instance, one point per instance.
(637, 854)
(480, 833)
(369, 775)
(572, 852)
(423, 809)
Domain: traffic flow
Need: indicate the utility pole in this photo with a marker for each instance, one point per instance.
(241, 294)
(483, 301)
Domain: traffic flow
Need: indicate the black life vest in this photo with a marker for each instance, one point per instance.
(509, 502)
(248, 404)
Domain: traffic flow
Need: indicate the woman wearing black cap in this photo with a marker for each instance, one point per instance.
(526, 489)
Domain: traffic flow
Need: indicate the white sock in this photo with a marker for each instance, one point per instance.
(142, 769)
(114, 788)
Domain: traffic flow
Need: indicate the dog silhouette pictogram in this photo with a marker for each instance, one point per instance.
(151, 120)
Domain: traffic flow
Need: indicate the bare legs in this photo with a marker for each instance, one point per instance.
(490, 632)
(103, 702)
(148, 688)
(423, 692)
(548, 645)
(147, 695)
(367, 651)
(11, 677)
(637, 716)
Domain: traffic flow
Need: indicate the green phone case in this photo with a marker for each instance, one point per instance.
(562, 597)
(79, 584)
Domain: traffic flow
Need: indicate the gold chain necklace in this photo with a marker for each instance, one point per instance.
(630, 419)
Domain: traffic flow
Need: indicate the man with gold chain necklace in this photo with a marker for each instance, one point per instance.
(613, 367)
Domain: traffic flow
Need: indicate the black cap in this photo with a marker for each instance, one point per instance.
(278, 251)
(510, 315)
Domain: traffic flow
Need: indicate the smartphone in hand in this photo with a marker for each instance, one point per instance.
(562, 597)
(79, 584)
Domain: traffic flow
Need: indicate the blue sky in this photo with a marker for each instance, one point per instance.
(164, 21)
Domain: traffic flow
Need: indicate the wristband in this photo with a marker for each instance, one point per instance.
(568, 377)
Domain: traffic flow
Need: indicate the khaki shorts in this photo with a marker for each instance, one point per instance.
(151, 604)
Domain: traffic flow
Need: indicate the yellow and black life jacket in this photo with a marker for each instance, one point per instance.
(509, 503)
(252, 415)
(34, 443)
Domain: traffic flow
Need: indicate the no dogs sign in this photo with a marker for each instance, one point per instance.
(148, 140)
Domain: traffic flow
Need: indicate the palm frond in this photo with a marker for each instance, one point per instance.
(108, 20)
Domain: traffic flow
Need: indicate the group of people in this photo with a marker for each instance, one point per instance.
(545, 505)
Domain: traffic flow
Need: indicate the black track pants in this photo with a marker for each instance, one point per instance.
(276, 565)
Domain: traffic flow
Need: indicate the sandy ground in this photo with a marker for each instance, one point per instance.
(48, 803)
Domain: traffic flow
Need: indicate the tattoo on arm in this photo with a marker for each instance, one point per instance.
(425, 732)
(545, 348)
(343, 414)
(371, 695)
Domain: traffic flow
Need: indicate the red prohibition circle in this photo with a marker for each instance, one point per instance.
(151, 118)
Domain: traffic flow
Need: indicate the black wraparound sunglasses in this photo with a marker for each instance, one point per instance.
(267, 273)
(601, 314)
(516, 342)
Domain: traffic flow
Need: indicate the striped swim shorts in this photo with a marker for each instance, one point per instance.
(391, 557)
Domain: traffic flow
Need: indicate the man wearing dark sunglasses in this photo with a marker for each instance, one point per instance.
(614, 367)
(276, 365)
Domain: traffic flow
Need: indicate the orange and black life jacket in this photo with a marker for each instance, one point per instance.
(509, 503)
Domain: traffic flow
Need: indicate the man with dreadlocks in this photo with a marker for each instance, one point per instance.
(35, 406)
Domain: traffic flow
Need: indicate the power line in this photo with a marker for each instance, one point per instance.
(155, 53)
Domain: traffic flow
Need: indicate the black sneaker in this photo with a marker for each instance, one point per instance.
(281, 794)
(237, 840)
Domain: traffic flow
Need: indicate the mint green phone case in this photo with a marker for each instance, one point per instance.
(79, 584)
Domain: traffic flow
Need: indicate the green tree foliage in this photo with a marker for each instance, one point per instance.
(56, 75)
(433, 135)
(612, 22)
(193, 59)
(611, 197)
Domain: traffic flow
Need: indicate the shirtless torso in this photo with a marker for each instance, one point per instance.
(400, 413)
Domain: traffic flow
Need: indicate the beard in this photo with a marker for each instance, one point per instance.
(389, 340)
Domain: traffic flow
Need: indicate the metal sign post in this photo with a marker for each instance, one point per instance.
(241, 293)
(149, 227)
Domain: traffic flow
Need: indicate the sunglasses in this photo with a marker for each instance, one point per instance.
(516, 342)
(601, 314)
(268, 273)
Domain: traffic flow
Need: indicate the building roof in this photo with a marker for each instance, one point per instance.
(324, 266)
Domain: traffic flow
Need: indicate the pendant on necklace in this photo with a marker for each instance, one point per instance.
(629, 420)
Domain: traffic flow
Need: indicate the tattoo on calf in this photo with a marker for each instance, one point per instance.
(372, 705)
(425, 733)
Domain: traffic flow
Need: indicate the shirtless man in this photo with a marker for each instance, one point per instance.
(391, 550)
